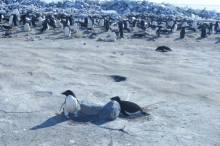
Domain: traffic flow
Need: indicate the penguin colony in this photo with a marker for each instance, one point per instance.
(116, 25)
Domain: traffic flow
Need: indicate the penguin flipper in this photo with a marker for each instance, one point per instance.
(62, 105)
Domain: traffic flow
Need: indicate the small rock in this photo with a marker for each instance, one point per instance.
(110, 111)
(84, 43)
(91, 108)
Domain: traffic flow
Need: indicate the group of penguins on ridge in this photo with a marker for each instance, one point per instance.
(115, 23)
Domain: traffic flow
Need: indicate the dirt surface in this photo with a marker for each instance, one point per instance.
(180, 89)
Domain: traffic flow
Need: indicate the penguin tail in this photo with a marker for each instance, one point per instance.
(145, 114)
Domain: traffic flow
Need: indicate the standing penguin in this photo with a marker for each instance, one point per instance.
(45, 26)
(106, 25)
(158, 31)
(15, 18)
(101, 22)
(70, 103)
(203, 33)
(126, 26)
(210, 27)
(182, 33)
(174, 27)
(40, 20)
(67, 31)
(216, 25)
(61, 25)
(90, 23)
(194, 25)
(10, 20)
(120, 25)
(75, 27)
(27, 26)
(113, 36)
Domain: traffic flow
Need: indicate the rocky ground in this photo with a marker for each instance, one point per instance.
(180, 89)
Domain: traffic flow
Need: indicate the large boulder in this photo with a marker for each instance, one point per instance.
(91, 107)
(110, 111)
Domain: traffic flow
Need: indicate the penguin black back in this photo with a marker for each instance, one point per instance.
(182, 33)
(106, 25)
(203, 33)
(128, 107)
(15, 18)
(121, 29)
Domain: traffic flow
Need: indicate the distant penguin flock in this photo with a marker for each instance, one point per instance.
(116, 25)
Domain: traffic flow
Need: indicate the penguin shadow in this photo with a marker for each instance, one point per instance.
(56, 33)
(134, 117)
(59, 118)
(177, 39)
(152, 38)
(199, 39)
(217, 42)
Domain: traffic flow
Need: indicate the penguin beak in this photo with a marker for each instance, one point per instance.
(64, 93)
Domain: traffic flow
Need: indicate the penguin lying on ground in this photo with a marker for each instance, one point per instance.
(129, 108)
(70, 103)
(163, 49)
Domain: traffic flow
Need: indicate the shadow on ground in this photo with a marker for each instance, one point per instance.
(59, 118)
(82, 118)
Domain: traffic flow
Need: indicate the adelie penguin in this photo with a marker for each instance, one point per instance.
(75, 27)
(27, 26)
(113, 36)
(163, 49)
(15, 19)
(45, 26)
(129, 108)
(174, 27)
(182, 33)
(70, 104)
(10, 20)
(106, 25)
(203, 33)
(67, 31)
(120, 25)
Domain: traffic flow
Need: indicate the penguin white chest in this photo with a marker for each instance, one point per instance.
(70, 106)
(27, 27)
(67, 31)
(10, 20)
(174, 28)
(75, 27)
(40, 21)
(113, 37)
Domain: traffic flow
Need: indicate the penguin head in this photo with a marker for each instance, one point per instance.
(116, 98)
(68, 92)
